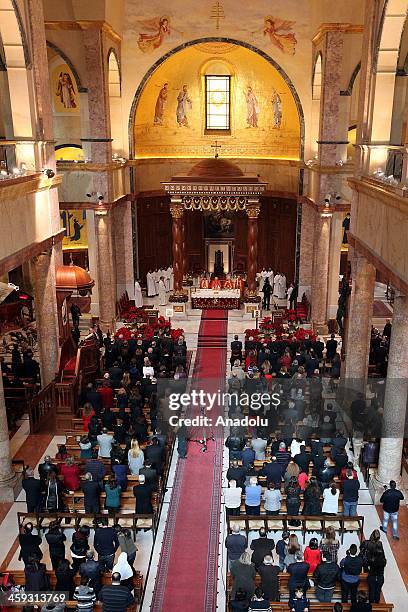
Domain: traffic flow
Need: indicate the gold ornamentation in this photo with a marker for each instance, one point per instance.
(253, 212)
(176, 211)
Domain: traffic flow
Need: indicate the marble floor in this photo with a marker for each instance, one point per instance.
(33, 448)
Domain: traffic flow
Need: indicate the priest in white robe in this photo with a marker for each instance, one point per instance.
(162, 292)
(151, 285)
(171, 279)
(156, 278)
(138, 295)
(276, 282)
(282, 287)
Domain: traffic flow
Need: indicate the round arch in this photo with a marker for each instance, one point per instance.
(212, 39)
(66, 59)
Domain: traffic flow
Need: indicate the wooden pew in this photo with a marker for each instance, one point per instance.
(308, 524)
(75, 501)
(282, 606)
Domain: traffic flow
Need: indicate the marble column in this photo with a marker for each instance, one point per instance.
(306, 249)
(321, 271)
(396, 394)
(45, 300)
(106, 268)
(177, 214)
(8, 479)
(336, 237)
(252, 211)
(124, 250)
(359, 322)
(183, 241)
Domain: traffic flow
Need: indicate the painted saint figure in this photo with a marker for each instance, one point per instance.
(65, 91)
(183, 102)
(275, 28)
(277, 110)
(159, 28)
(77, 231)
(252, 108)
(160, 104)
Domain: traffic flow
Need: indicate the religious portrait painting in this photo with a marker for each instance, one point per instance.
(161, 102)
(65, 92)
(75, 229)
(252, 108)
(280, 35)
(184, 104)
(218, 225)
(276, 110)
(154, 32)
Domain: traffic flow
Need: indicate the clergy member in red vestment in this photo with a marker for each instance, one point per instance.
(215, 284)
(204, 283)
(228, 283)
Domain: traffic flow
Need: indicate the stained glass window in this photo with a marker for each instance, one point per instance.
(218, 98)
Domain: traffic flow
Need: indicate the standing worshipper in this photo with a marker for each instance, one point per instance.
(162, 292)
(276, 286)
(138, 294)
(289, 296)
(266, 290)
(151, 287)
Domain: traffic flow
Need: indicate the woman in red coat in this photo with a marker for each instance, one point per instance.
(312, 554)
(70, 474)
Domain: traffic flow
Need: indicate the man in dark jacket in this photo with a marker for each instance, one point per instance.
(269, 578)
(115, 598)
(298, 575)
(143, 495)
(236, 472)
(92, 570)
(303, 459)
(106, 544)
(235, 543)
(331, 347)
(149, 473)
(235, 443)
(390, 501)
(326, 575)
(351, 487)
(91, 489)
(94, 398)
(95, 467)
(351, 567)
(155, 453)
(44, 470)
(236, 350)
(32, 488)
(262, 547)
(273, 472)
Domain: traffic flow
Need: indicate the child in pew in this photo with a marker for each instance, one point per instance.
(299, 603)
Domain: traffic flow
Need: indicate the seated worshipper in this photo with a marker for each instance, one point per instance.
(135, 458)
(243, 575)
(331, 500)
(85, 596)
(65, 578)
(253, 497)
(115, 597)
(113, 491)
(105, 444)
(298, 575)
(215, 283)
(299, 602)
(36, 578)
(261, 547)
(312, 554)
(236, 544)
(125, 570)
(258, 602)
(70, 473)
(29, 544)
(143, 496)
(269, 574)
(232, 498)
(272, 500)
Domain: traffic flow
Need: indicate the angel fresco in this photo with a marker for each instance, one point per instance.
(155, 32)
(65, 90)
(279, 34)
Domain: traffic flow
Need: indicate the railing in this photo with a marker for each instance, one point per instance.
(67, 351)
(41, 408)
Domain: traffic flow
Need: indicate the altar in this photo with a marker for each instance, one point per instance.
(227, 299)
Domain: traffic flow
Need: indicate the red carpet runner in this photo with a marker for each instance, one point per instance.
(188, 568)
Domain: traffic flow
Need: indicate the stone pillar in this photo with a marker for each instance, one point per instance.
(306, 250)
(93, 261)
(45, 300)
(183, 241)
(177, 214)
(359, 322)
(125, 280)
(105, 245)
(336, 237)
(321, 271)
(8, 479)
(252, 210)
(396, 394)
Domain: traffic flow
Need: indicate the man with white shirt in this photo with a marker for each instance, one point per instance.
(232, 498)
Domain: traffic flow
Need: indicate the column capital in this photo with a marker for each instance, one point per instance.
(176, 210)
(253, 211)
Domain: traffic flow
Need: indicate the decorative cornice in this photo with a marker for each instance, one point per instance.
(216, 189)
(322, 209)
(346, 28)
(85, 25)
(23, 185)
(378, 262)
(105, 206)
(32, 250)
(344, 169)
(378, 191)
(64, 166)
